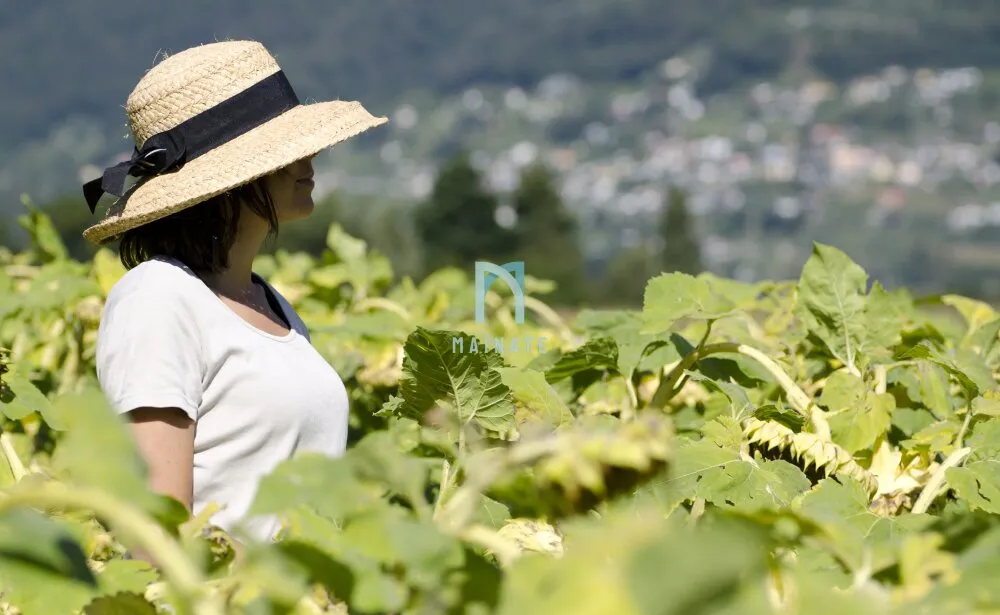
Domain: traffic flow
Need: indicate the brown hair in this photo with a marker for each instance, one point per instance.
(200, 236)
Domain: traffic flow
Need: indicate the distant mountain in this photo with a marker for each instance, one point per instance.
(70, 64)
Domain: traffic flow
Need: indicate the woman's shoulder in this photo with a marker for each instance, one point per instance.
(160, 278)
(152, 298)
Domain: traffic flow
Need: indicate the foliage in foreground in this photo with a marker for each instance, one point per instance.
(811, 446)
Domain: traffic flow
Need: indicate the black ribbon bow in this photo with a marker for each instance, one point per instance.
(170, 150)
(160, 153)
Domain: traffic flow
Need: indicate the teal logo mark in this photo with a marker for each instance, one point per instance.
(512, 274)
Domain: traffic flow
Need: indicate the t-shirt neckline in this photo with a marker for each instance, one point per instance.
(287, 337)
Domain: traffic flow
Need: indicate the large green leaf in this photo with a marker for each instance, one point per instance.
(126, 576)
(634, 563)
(535, 399)
(19, 398)
(984, 339)
(326, 485)
(440, 371)
(43, 570)
(978, 480)
(593, 355)
(392, 538)
(832, 302)
(268, 578)
(625, 328)
(598, 557)
(985, 440)
(974, 591)
(716, 469)
(723, 478)
(885, 315)
(681, 572)
(123, 603)
(44, 236)
(965, 365)
(378, 458)
(317, 543)
(816, 594)
(739, 400)
(119, 468)
(978, 483)
(911, 420)
(933, 389)
(986, 406)
(857, 416)
(854, 533)
(976, 313)
(673, 296)
(742, 294)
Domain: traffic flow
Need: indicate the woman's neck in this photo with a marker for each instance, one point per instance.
(236, 278)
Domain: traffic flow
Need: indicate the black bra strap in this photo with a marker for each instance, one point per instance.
(272, 300)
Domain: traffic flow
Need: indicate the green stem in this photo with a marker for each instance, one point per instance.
(697, 510)
(965, 426)
(633, 398)
(798, 398)
(881, 379)
(456, 512)
(708, 332)
(384, 304)
(25, 272)
(161, 590)
(16, 466)
(134, 527)
(549, 316)
(668, 386)
(756, 331)
(504, 550)
(935, 484)
(71, 366)
(445, 484)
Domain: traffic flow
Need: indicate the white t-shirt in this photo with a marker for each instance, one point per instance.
(166, 340)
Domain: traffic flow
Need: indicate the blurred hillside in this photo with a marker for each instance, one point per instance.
(67, 64)
(868, 125)
(65, 58)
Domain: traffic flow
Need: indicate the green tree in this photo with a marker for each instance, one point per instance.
(457, 224)
(681, 251)
(622, 283)
(385, 223)
(546, 236)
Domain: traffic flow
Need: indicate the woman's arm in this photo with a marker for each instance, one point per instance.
(165, 438)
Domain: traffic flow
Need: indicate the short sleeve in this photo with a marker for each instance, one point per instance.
(149, 353)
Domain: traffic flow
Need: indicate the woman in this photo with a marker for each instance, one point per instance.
(211, 365)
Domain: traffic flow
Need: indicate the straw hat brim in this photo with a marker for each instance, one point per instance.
(297, 133)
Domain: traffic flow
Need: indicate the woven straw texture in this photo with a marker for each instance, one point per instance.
(196, 79)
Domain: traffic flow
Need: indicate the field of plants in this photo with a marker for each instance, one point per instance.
(812, 446)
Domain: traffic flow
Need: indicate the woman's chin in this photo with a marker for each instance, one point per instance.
(299, 211)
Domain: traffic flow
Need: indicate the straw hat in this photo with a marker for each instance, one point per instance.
(209, 119)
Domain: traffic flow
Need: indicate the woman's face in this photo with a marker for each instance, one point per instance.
(291, 189)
